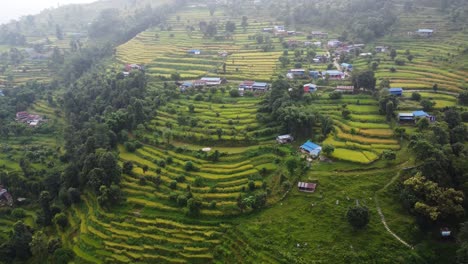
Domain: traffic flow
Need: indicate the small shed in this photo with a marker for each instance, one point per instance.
(425, 32)
(333, 74)
(194, 52)
(210, 81)
(344, 89)
(310, 88)
(283, 139)
(396, 91)
(422, 114)
(445, 232)
(306, 186)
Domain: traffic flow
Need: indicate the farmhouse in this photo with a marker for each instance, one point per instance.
(310, 88)
(333, 43)
(211, 81)
(396, 91)
(5, 197)
(421, 114)
(311, 148)
(380, 49)
(295, 73)
(318, 34)
(30, 119)
(268, 30)
(365, 54)
(130, 67)
(406, 117)
(333, 74)
(425, 32)
(346, 66)
(194, 52)
(306, 187)
(344, 89)
(253, 86)
(283, 139)
(314, 74)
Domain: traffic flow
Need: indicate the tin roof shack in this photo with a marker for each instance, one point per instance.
(5, 197)
(283, 139)
(212, 81)
(296, 73)
(194, 52)
(318, 34)
(380, 49)
(333, 75)
(306, 187)
(421, 114)
(445, 232)
(424, 32)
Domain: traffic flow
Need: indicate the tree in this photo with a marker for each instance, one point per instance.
(127, 167)
(422, 124)
(415, 96)
(234, 93)
(393, 54)
(291, 164)
(452, 117)
(244, 22)
(328, 149)
(189, 166)
(335, 95)
(346, 113)
(61, 220)
(435, 87)
(44, 200)
(389, 110)
(284, 60)
(63, 256)
(358, 216)
(385, 83)
(364, 79)
(463, 97)
(39, 246)
(230, 26)
(219, 132)
(427, 105)
(20, 239)
(400, 132)
(191, 108)
(58, 32)
(175, 76)
(193, 205)
(410, 57)
(389, 155)
(73, 195)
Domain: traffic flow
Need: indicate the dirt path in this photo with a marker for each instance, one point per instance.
(382, 217)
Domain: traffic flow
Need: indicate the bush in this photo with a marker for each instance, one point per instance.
(400, 62)
(189, 166)
(73, 195)
(335, 95)
(63, 256)
(427, 105)
(180, 178)
(358, 216)
(18, 213)
(198, 97)
(173, 185)
(415, 96)
(127, 167)
(61, 220)
(234, 93)
(130, 146)
(464, 116)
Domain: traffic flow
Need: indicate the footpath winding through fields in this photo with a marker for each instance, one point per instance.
(382, 217)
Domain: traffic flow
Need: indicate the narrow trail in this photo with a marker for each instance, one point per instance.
(382, 217)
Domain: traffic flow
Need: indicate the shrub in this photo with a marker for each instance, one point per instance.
(415, 96)
(400, 62)
(198, 97)
(61, 220)
(189, 166)
(18, 213)
(182, 200)
(130, 146)
(73, 195)
(173, 185)
(234, 93)
(464, 116)
(251, 185)
(393, 69)
(142, 180)
(249, 94)
(180, 178)
(427, 105)
(335, 95)
(358, 216)
(127, 167)
(346, 113)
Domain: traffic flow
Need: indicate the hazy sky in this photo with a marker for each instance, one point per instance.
(13, 9)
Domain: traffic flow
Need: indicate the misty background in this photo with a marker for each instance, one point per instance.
(15, 9)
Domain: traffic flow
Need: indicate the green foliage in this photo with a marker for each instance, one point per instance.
(427, 105)
(18, 213)
(364, 79)
(415, 96)
(63, 256)
(335, 95)
(61, 220)
(358, 216)
(328, 149)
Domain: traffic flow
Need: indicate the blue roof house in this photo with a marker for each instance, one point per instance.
(311, 148)
(420, 113)
(396, 91)
(346, 66)
(194, 52)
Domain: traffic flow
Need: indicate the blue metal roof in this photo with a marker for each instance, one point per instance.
(310, 146)
(420, 113)
(211, 79)
(425, 30)
(395, 89)
(346, 65)
(260, 84)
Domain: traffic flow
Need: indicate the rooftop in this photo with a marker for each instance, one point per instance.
(310, 146)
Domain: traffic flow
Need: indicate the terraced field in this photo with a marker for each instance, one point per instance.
(362, 137)
(437, 60)
(165, 52)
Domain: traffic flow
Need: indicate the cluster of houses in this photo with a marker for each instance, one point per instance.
(411, 118)
(252, 86)
(205, 81)
(27, 118)
(302, 74)
(279, 31)
(132, 67)
(5, 197)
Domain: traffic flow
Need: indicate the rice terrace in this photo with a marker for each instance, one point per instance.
(235, 131)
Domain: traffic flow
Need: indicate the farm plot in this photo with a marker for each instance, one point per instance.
(228, 123)
(165, 51)
(364, 135)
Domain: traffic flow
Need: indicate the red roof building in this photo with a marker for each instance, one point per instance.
(306, 186)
